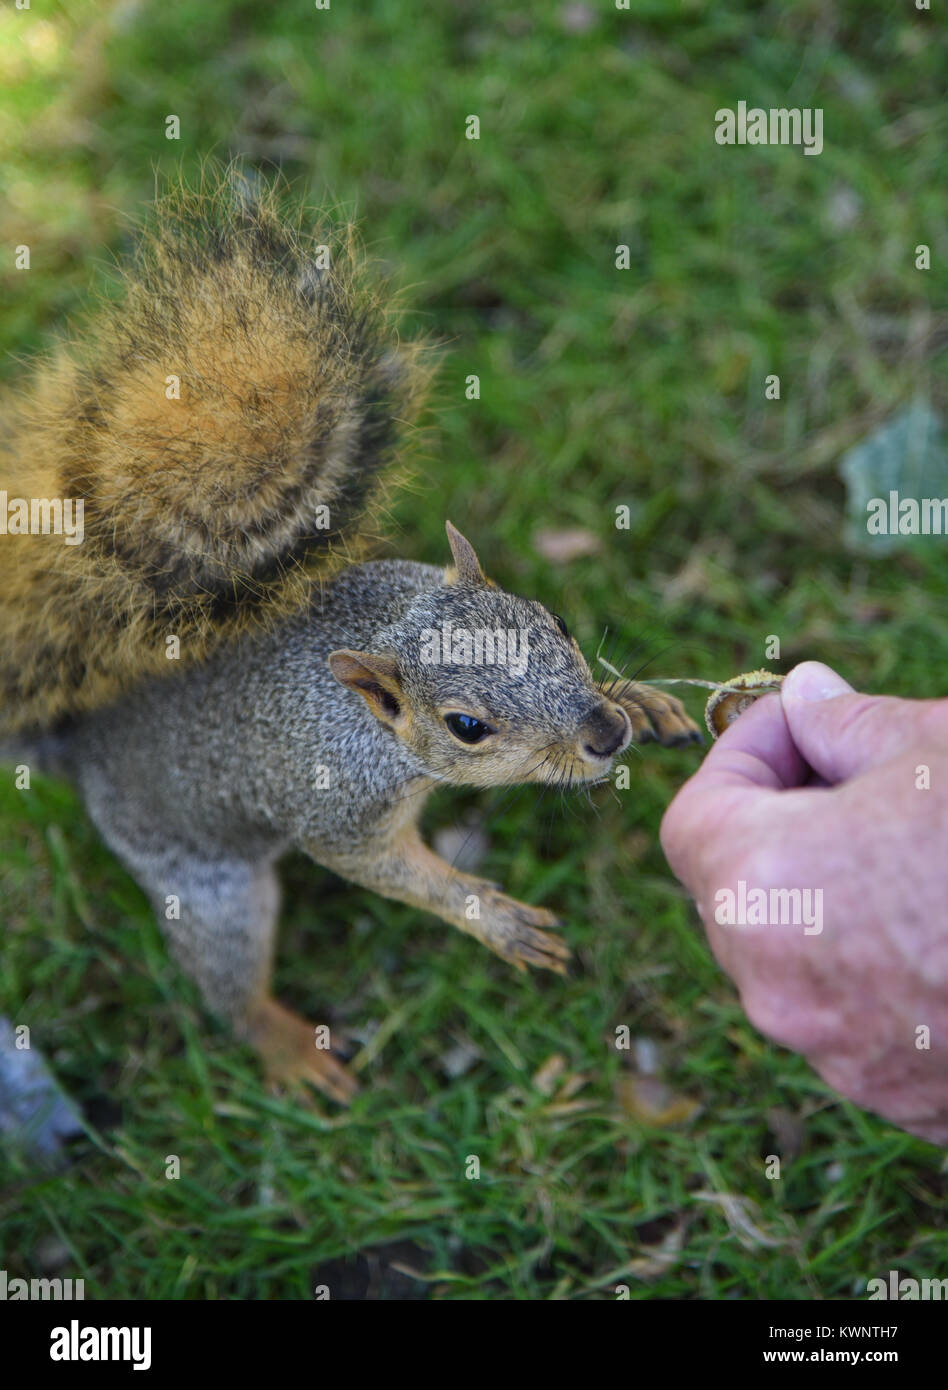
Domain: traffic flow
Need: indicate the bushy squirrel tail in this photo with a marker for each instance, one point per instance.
(229, 423)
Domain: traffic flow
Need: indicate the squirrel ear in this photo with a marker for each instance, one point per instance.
(376, 680)
(467, 567)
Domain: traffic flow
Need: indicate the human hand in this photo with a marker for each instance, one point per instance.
(845, 795)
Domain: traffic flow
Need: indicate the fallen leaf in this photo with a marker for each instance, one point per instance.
(568, 1107)
(659, 1259)
(652, 1102)
(572, 1084)
(546, 1077)
(737, 1212)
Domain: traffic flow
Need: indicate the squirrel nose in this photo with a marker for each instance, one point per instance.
(606, 732)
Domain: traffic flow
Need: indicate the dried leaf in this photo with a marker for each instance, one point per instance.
(652, 1102)
(547, 1076)
(737, 1211)
(659, 1259)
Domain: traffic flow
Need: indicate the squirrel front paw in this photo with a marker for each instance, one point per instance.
(287, 1046)
(515, 932)
(655, 716)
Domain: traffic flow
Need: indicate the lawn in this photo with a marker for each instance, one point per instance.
(599, 387)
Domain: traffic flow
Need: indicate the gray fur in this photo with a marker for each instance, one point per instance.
(226, 754)
(200, 780)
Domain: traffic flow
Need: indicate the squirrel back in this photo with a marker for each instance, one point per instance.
(229, 425)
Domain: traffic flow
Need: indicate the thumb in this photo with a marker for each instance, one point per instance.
(839, 732)
(739, 779)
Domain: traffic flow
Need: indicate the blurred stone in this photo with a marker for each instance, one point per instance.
(36, 1115)
(51, 1253)
(459, 1059)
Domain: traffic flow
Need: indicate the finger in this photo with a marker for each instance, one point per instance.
(840, 733)
(753, 761)
(756, 750)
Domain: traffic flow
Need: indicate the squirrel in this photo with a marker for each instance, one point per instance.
(218, 666)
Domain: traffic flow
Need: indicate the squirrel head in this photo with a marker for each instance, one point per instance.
(486, 688)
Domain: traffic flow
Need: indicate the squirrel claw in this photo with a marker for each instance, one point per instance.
(539, 956)
(287, 1046)
(655, 716)
(520, 934)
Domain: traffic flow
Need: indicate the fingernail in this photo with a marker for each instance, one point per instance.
(811, 680)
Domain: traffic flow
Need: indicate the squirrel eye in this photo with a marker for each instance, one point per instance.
(466, 727)
(560, 624)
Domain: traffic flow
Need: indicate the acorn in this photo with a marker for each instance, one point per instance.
(730, 700)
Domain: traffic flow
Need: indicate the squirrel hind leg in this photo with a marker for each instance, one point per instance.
(290, 1051)
(223, 937)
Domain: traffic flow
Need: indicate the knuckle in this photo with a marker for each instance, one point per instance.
(933, 722)
(861, 716)
(779, 1015)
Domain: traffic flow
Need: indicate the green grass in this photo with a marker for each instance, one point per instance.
(598, 387)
